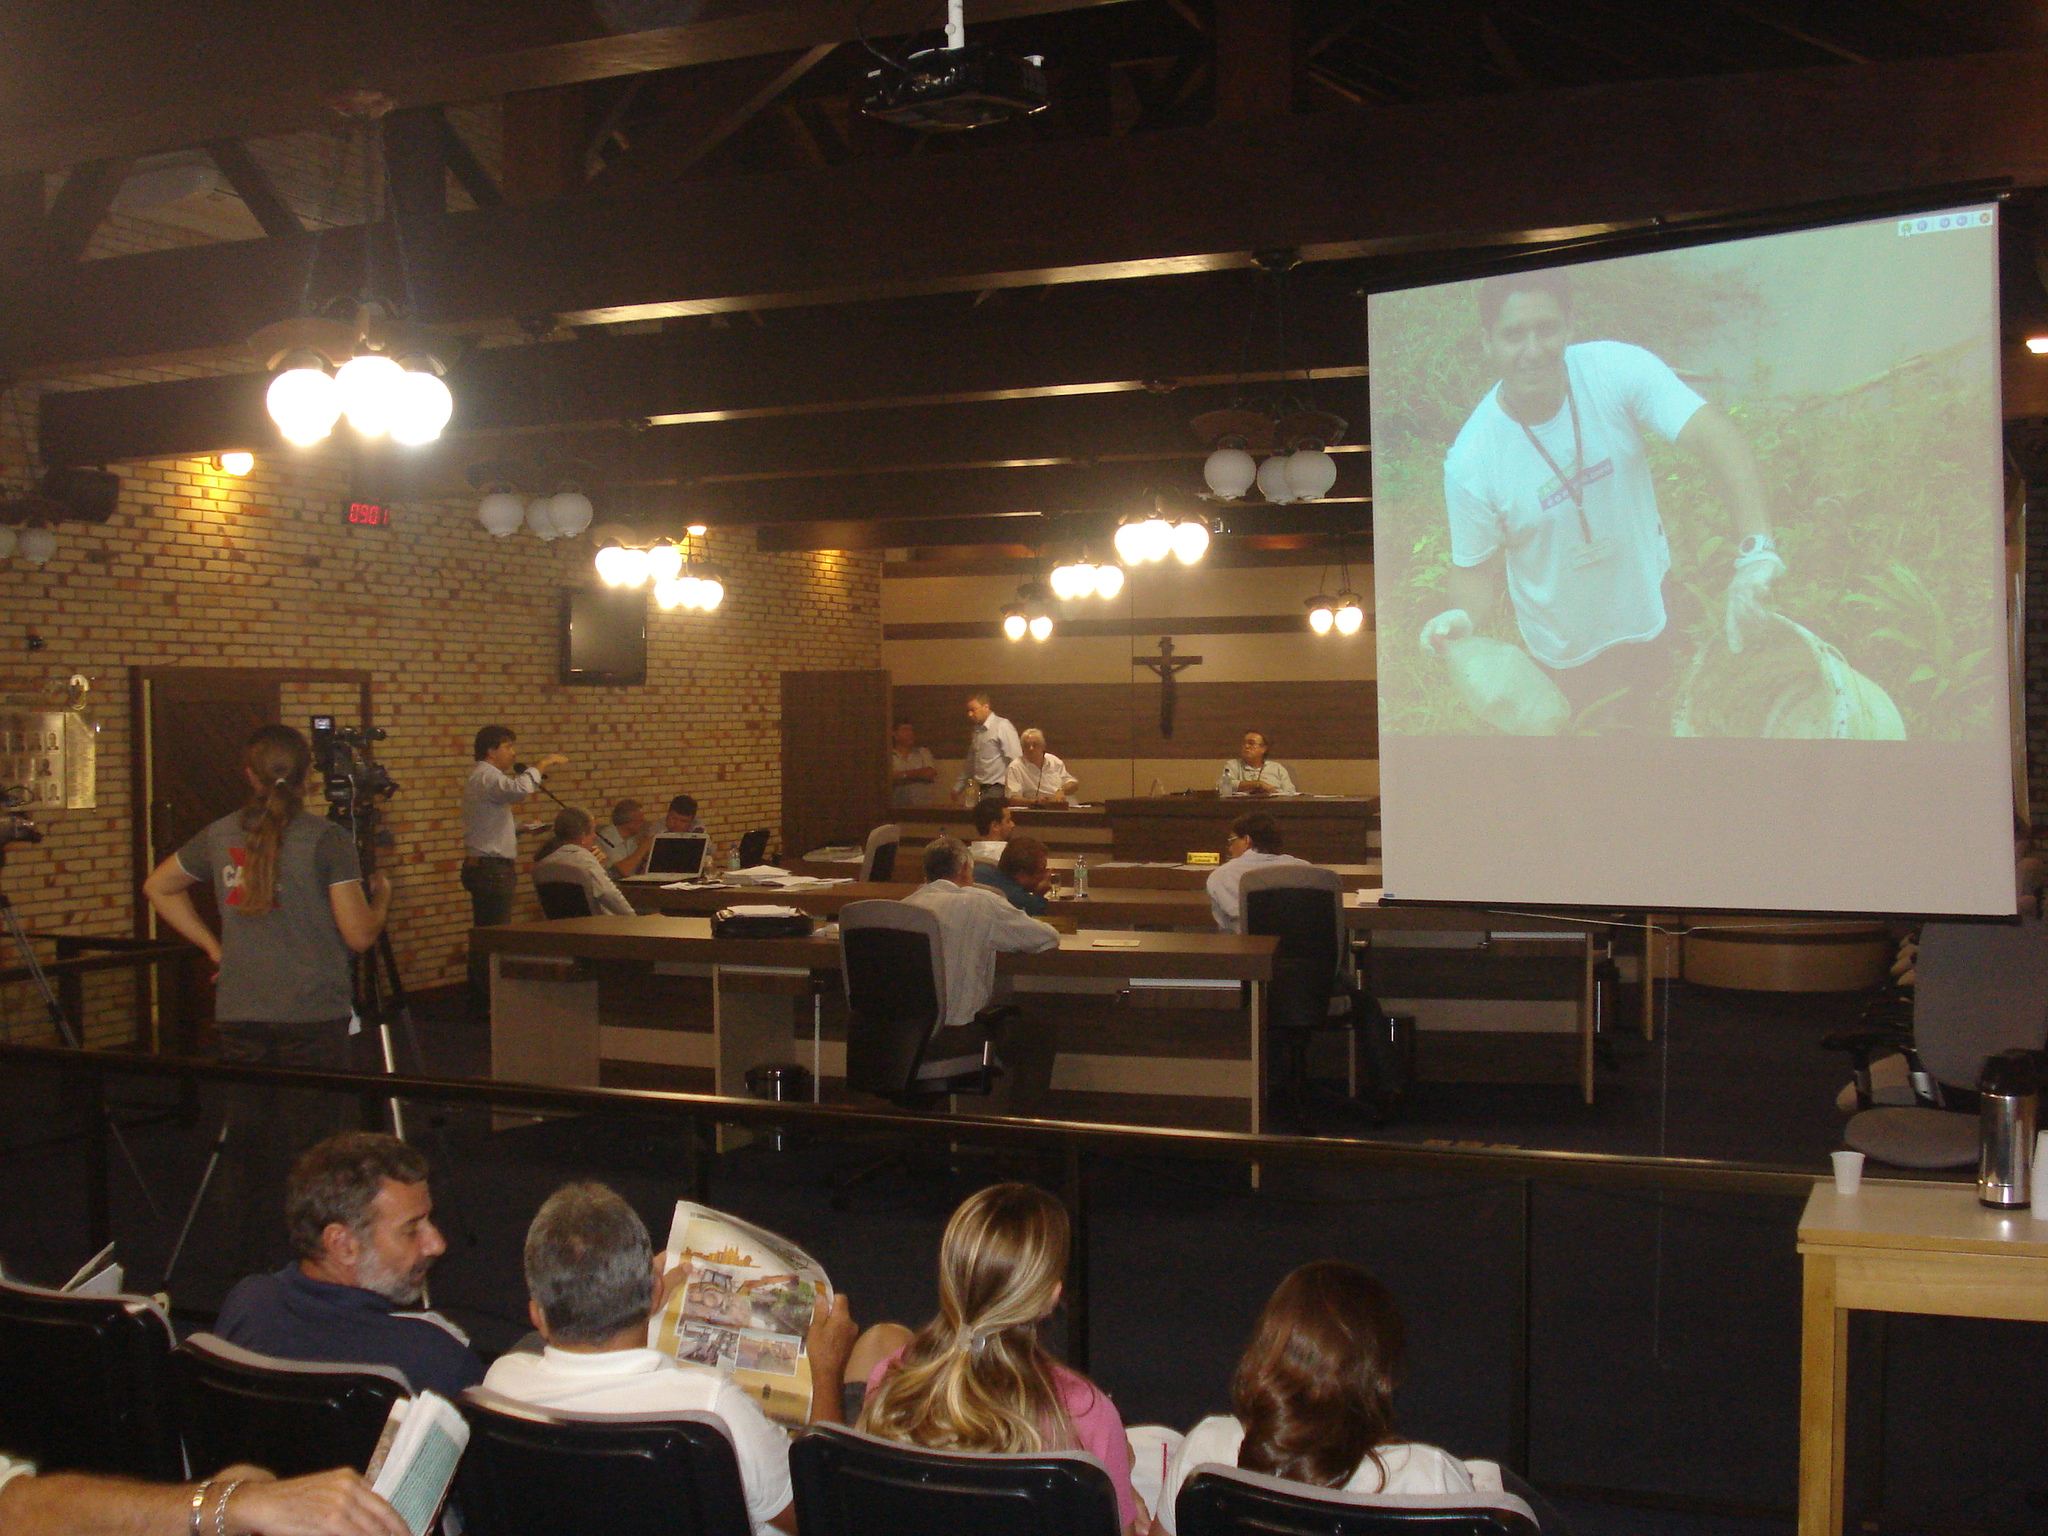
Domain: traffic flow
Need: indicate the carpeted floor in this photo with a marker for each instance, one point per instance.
(1663, 1353)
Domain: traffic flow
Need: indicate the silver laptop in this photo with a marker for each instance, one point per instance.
(674, 856)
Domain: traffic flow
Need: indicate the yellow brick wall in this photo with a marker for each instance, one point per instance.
(458, 629)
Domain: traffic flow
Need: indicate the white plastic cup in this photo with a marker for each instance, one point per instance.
(1848, 1172)
(2040, 1207)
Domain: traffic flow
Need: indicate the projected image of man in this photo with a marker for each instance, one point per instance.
(1548, 490)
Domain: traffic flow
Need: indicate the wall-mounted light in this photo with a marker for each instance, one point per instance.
(696, 530)
(234, 462)
(2037, 344)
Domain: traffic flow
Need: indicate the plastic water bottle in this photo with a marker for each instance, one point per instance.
(1080, 877)
(732, 859)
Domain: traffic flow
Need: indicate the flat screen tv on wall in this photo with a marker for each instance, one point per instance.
(604, 637)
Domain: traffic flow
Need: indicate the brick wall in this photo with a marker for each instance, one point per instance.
(458, 629)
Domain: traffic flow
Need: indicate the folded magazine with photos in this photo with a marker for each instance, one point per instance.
(743, 1305)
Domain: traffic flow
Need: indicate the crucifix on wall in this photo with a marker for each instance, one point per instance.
(1166, 664)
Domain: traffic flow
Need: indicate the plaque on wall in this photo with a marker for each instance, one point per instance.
(52, 757)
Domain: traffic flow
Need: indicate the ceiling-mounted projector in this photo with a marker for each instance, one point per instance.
(954, 88)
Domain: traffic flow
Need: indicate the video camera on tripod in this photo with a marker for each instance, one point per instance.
(350, 775)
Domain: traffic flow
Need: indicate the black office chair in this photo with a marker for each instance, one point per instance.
(560, 898)
(852, 1484)
(1223, 1501)
(290, 1416)
(1315, 986)
(1979, 989)
(753, 847)
(894, 971)
(85, 1383)
(548, 1472)
(878, 858)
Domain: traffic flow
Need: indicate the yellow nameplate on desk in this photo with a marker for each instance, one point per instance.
(1211, 857)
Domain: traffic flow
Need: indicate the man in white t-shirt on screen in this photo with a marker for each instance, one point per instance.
(592, 1283)
(1548, 488)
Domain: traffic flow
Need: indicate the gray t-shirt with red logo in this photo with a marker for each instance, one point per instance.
(289, 965)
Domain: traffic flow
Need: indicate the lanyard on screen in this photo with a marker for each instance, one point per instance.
(1570, 482)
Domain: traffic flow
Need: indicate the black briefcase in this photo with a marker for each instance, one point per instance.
(761, 923)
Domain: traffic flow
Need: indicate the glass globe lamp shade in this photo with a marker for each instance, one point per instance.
(1310, 474)
(1081, 581)
(633, 568)
(501, 512)
(611, 565)
(1158, 538)
(235, 462)
(38, 546)
(1014, 625)
(9, 539)
(1320, 615)
(1190, 540)
(1230, 472)
(420, 407)
(1130, 542)
(669, 595)
(687, 583)
(369, 389)
(304, 403)
(1109, 580)
(572, 512)
(1350, 616)
(1061, 581)
(710, 593)
(664, 563)
(540, 520)
(1273, 479)
(1041, 627)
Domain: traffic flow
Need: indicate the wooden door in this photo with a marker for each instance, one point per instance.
(835, 758)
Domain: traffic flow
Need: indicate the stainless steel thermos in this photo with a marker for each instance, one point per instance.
(2008, 1103)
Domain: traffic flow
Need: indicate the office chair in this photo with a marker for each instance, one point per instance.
(894, 970)
(85, 1383)
(290, 1416)
(1223, 1501)
(549, 1472)
(560, 898)
(1314, 986)
(1980, 988)
(853, 1484)
(878, 859)
(753, 847)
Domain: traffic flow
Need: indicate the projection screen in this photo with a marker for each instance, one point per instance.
(1690, 577)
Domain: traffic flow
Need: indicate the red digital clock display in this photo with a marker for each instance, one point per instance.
(369, 514)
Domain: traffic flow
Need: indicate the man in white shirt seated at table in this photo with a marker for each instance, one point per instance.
(976, 924)
(623, 844)
(1254, 843)
(1038, 778)
(593, 1281)
(571, 858)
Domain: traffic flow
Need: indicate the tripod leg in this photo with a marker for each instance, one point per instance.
(391, 1070)
(400, 1003)
(220, 1142)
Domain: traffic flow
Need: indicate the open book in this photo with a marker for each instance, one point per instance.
(743, 1305)
(416, 1457)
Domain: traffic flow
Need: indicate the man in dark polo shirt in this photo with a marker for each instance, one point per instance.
(1023, 875)
(361, 1221)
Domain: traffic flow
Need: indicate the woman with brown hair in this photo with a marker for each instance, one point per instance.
(1314, 1395)
(976, 1378)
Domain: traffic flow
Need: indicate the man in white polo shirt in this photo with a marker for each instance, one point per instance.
(1548, 489)
(1038, 778)
(592, 1282)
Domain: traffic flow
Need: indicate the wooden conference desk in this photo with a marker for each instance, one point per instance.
(546, 1028)
(1321, 829)
(1453, 1044)
(1896, 1246)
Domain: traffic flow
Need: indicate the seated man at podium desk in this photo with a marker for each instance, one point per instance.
(1038, 778)
(1251, 773)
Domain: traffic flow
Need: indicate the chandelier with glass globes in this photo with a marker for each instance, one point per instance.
(384, 380)
(679, 582)
(1344, 613)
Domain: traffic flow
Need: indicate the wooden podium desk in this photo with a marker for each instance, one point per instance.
(1896, 1246)
(545, 1024)
(1323, 830)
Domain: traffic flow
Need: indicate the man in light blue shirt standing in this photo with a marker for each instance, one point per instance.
(991, 748)
(490, 841)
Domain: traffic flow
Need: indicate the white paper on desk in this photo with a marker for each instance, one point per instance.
(761, 909)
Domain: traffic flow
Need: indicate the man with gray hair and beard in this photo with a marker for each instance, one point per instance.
(593, 1281)
(361, 1220)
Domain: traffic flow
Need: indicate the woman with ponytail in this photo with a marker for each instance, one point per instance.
(977, 1378)
(290, 894)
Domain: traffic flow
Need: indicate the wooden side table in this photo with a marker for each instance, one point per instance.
(1896, 1246)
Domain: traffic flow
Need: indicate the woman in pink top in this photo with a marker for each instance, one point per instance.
(976, 1378)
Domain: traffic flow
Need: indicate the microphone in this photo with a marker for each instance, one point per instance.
(518, 769)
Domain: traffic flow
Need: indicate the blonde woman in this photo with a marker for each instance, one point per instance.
(976, 1377)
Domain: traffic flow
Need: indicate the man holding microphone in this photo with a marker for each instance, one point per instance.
(490, 841)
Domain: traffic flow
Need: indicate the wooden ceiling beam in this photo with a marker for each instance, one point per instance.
(163, 77)
(80, 206)
(1098, 338)
(716, 103)
(1350, 518)
(248, 181)
(1368, 181)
